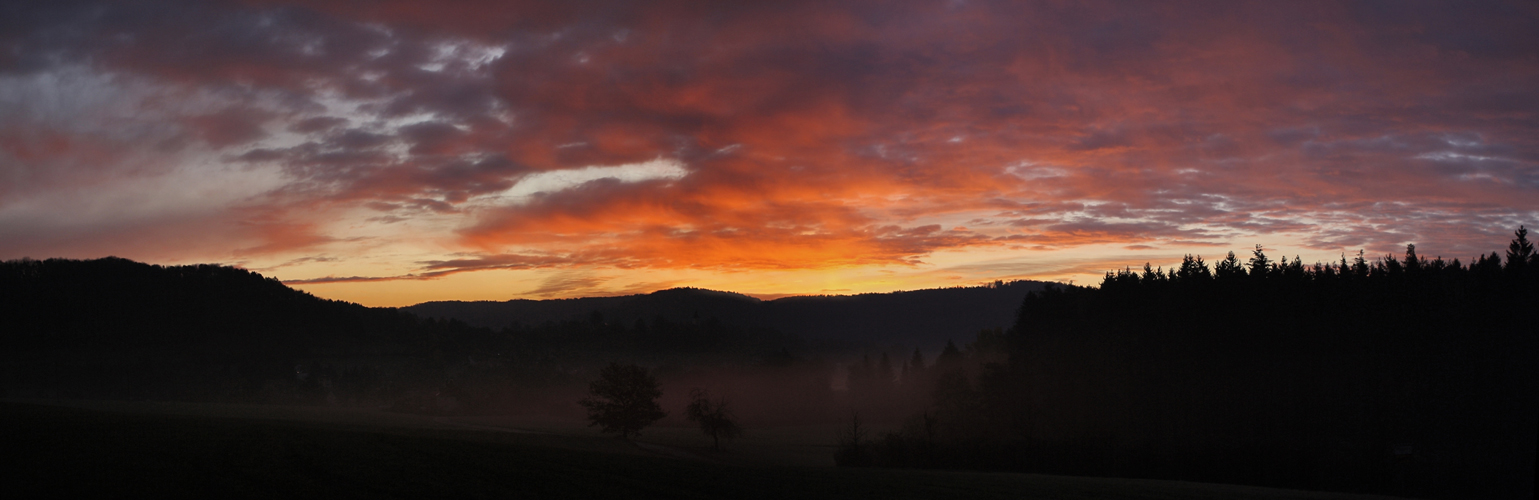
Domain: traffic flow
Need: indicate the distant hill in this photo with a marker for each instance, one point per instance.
(673, 304)
(116, 328)
(924, 318)
(115, 304)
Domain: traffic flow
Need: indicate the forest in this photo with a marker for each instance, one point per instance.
(1408, 375)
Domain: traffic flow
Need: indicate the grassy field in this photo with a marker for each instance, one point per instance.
(104, 449)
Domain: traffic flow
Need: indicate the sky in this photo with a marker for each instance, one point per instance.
(395, 152)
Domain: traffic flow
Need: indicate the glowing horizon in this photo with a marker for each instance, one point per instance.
(391, 153)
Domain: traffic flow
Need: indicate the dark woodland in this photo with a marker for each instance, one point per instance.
(1409, 376)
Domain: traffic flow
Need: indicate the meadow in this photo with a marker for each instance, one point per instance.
(114, 449)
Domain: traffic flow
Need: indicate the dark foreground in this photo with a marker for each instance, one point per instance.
(69, 452)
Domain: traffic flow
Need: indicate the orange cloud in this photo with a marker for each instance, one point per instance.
(814, 135)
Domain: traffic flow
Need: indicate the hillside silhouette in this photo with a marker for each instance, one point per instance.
(115, 328)
(119, 328)
(115, 304)
(924, 318)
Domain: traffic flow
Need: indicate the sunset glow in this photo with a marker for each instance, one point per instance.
(396, 152)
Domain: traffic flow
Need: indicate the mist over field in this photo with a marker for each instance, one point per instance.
(120, 329)
(1399, 375)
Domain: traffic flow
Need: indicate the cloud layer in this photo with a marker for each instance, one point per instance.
(406, 140)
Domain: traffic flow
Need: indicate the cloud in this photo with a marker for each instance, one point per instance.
(295, 262)
(552, 181)
(680, 225)
(735, 137)
(431, 270)
(1093, 232)
(568, 284)
(347, 279)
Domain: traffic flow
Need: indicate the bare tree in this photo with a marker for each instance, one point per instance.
(851, 450)
(715, 419)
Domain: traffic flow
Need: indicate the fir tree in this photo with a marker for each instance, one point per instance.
(1520, 253)
(1259, 264)
(1193, 268)
(916, 363)
(1229, 267)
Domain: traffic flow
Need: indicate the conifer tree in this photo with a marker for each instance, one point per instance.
(1259, 264)
(861, 375)
(1360, 264)
(1193, 268)
(884, 372)
(949, 358)
(1520, 252)
(916, 363)
(1229, 267)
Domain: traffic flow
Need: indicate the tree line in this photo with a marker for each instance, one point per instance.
(1402, 375)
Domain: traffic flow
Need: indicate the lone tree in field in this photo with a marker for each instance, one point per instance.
(714, 418)
(623, 400)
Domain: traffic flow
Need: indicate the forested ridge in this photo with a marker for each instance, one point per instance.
(117, 328)
(116, 304)
(926, 318)
(1401, 375)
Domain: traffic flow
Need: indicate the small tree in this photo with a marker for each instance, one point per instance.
(851, 450)
(623, 400)
(714, 418)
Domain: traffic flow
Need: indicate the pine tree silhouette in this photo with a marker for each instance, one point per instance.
(1520, 253)
(1260, 266)
(1229, 268)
